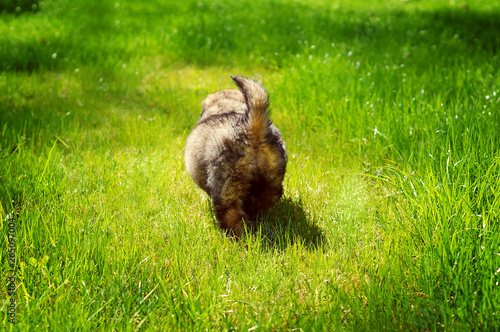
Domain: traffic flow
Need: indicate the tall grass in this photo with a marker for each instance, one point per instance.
(389, 221)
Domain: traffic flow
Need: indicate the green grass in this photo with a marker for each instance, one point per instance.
(390, 218)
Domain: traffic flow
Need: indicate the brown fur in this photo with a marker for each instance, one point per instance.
(237, 155)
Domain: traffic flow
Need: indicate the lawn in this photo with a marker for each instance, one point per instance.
(390, 218)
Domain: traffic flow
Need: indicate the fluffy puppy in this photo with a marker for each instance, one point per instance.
(237, 155)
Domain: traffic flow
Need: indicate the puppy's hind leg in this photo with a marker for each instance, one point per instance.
(231, 219)
(228, 196)
(229, 210)
(269, 197)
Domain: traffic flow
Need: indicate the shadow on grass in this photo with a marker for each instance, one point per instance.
(18, 6)
(220, 32)
(288, 223)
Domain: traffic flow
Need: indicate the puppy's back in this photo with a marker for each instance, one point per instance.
(219, 123)
(228, 102)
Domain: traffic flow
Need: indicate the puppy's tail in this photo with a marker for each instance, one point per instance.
(257, 102)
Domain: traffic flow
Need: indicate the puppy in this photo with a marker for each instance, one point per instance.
(236, 155)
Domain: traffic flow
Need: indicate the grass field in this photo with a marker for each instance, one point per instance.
(390, 218)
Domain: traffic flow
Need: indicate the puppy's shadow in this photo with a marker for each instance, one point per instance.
(288, 223)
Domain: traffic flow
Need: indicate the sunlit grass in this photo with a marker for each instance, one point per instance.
(389, 220)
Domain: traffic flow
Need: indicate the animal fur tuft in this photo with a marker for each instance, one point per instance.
(257, 102)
